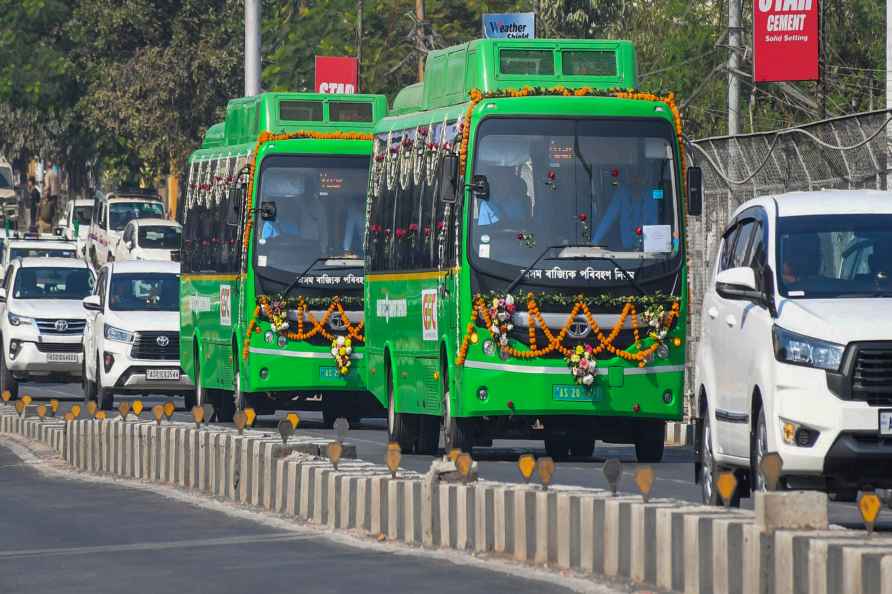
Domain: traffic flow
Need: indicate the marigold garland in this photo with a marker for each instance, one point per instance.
(476, 96)
(317, 327)
(270, 137)
(481, 312)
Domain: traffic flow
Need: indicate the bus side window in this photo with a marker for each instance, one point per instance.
(427, 225)
(380, 229)
(405, 225)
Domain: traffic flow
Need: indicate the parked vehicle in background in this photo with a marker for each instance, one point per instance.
(42, 320)
(37, 248)
(795, 354)
(9, 210)
(132, 339)
(78, 213)
(150, 239)
(109, 217)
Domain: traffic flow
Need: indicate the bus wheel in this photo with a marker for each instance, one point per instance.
(228, 402)
(400, 426)
(558, 447)
(428, 435)
(582, 447)
(650, 441)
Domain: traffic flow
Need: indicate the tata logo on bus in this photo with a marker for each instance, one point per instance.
(515, 25)
(337, 75)
(225, 305)
(429, 314)
(785, 40)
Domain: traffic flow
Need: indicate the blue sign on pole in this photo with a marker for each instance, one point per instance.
(515, 25)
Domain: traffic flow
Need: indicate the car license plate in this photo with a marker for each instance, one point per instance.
(163, 374)
(329, 373)
(886, 421)
(63, 357)
(576, 393)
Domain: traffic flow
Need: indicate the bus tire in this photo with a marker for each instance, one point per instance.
(428, 435)
(227, 402)
(650, 442)
(557, 447)
(401, 427)
(582, 447)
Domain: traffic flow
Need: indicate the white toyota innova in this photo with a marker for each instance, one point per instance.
(795, 354)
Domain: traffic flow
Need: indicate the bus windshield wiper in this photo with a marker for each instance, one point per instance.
(312, 265)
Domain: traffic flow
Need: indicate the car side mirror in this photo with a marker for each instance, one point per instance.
(738, 284)
(2, 295)
(448, 178)
(480, 187)
(268, 211)
(695, 191)
(129, 245)
(92, 303)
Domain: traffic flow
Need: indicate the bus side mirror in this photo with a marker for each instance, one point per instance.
(233, 211)
(448, 178)
(695, 191)
(480, 187)
(268, 211)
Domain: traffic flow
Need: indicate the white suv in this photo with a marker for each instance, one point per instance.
(42, 321)
(132, 340)
(150, 239)
(110, 215)
(795, 355)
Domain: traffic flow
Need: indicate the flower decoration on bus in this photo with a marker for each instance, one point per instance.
(527, 238)
(418, 155)
(551, 179)
(658, 319)
(341, 350)
(392, 162)
(583, 364)
(586, 226)
(501, 315)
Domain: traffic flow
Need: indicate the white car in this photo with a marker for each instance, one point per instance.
(78, 213)
(795, 355)
(37, 248)
(150, 239)
(110, 215)
(8, 202)
(42, 321)
(132, 340)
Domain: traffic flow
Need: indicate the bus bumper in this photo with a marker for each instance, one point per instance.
(305, 371)
(497, 389)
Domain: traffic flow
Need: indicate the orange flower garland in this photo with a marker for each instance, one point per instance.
(556, 343)
(270, 137)
(317, 326)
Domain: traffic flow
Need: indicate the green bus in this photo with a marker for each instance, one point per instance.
(272, 256)
(525, 262)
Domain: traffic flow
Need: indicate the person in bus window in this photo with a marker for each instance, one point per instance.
(631, 206)
(508, 205)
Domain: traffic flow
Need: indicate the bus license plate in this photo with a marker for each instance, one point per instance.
(63, 357)
(576, 393)
(163, 374)
(886, 421)
(329, 373)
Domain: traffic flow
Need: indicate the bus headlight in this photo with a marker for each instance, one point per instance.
(489, 347)
(662, 352)
(269, 337)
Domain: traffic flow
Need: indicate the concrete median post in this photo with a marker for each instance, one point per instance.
(546, 528)
(378, 505)
(503, 520)
(448, 503)
(670, 545)
(292, 489)
(862, 566)
(643, 539)
(617, 534)
(281, 485)
(569, 523)
(699, 552)
(728, 553)
(524, 524)
(886, 575)
(484, 525)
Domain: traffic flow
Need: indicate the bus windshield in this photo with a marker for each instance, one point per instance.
(605, 183)
(121, 213)
(319, 205)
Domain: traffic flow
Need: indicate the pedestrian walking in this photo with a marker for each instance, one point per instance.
(32, 200)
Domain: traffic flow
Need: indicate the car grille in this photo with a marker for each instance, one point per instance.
(872, 376)
(147, 347)
(65, 328)
(59, 347)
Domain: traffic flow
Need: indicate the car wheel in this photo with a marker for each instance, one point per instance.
(7, 381)
(650, 442)
(708, 468)
(104, 396)
(400, 426)
(89, 386)
(758, 449)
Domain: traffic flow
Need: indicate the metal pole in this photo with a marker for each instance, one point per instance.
(252, 47)
(359, 46)
(885, 156)
(419, 37)
(733, 63)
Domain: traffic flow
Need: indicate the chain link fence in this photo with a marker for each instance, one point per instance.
(849, 152)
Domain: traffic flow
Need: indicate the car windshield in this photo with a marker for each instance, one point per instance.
(82, 214)
(566, 181)
(52, 283)
(41, 253)
(832, 256)
(319, 210)
(121, 213)
(159, 238)
(144, 292)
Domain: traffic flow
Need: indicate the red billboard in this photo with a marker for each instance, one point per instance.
(337, 74)
(786, 40)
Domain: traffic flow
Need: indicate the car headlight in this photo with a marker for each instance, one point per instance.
(15, 320)
(116, 334)
(797, 349)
